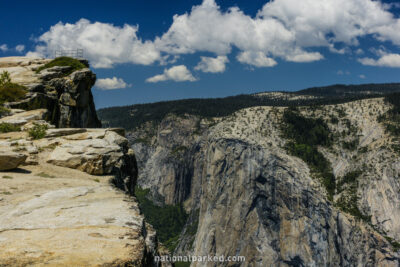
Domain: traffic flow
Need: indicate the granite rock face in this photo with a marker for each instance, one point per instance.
(68, 98)
(107, 154)
(70, 201)
(247, 196)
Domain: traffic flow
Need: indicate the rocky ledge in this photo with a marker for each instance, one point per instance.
(66, 194)
(59, 204)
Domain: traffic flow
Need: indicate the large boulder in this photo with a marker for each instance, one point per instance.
(10, 160)
(108, 154)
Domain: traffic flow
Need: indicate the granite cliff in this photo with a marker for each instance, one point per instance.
(66, 191)
(247, 194)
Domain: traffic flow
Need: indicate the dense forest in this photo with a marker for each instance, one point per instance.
(131, 117)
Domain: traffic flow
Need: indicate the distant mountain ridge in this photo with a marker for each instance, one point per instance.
(133, 116)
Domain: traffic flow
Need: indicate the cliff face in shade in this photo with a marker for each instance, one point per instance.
(246, 195)
(68, 98)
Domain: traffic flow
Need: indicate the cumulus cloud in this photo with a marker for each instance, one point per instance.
(257, 59)
(213, 65)
(362, 76)
(3, 48)
(111, 83)
(20, 48)
(177, 73)
(386, 60)
(285, 29)
(290, 30)
(104, 44)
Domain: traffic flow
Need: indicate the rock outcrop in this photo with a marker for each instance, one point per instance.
(70, 201)
(56, 212)
(247, 196)
(67, 98)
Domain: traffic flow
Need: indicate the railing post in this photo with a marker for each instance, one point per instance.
(77, 53)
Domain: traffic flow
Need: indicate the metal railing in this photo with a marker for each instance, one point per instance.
(76, 53)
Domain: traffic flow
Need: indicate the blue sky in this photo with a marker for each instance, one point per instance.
(146, 51)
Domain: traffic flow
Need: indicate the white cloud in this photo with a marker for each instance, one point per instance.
(282, 28)
(362, 76)
(177, 73)
(20, 48)
(305, 57)
(3, 48)
(386, 60)
(103, 44)
(111, 83)
(213, 65)
(257, 59)
(290, 30)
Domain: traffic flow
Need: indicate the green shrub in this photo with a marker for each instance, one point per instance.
(3, 111)
(10, 92)
(167, 220)
(8, 127)
(38, 131)
(5, 78)
(63, 61)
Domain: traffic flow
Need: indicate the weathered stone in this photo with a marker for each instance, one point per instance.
(108, 155)
(22, 118)
(64, 131)
(32, 124)
(10, 160)
(120, 131)
(14, 135)
(68, 98)
(54, 72)
(34, 101)
(22, 69)
(95, 156)
(73, 219)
